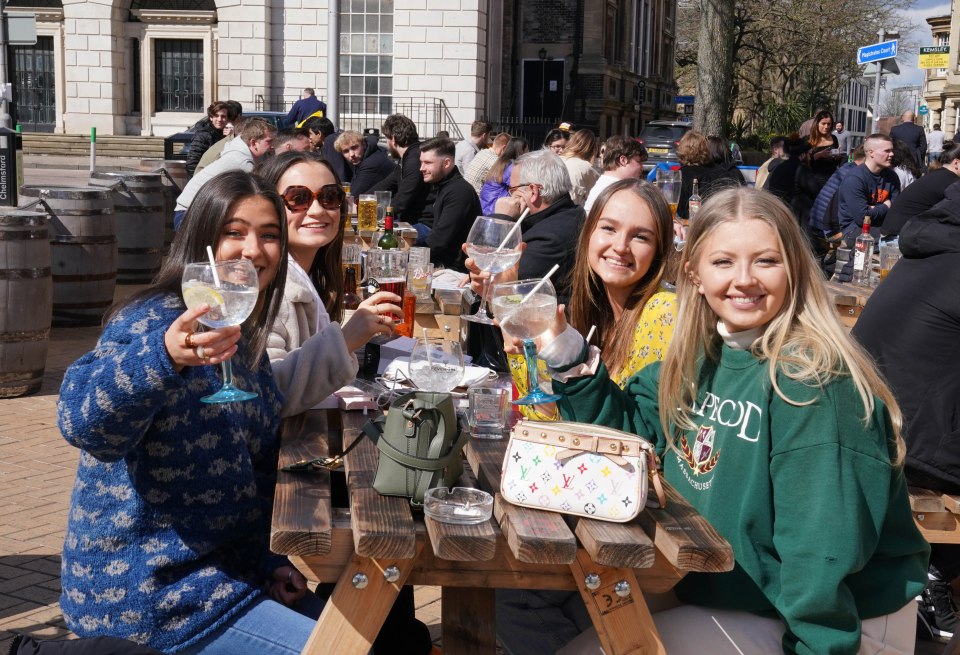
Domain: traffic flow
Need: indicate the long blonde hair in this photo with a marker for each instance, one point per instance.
(589, 304)
(805, 341)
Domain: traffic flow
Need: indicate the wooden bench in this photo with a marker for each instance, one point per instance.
(377, 545)
(937, 515)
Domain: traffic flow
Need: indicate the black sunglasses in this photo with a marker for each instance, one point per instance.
(299, 198)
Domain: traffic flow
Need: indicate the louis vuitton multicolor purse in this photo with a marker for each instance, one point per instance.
(579, 468)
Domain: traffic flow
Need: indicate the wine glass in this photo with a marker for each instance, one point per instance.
(494, 244)
(527, 318)
(231, 289)
(669, 183)
(436, 364)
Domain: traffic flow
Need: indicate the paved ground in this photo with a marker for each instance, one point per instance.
(37, 468)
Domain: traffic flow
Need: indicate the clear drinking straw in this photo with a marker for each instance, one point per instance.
(213, 267)
(593, 328)
(532, 291)
(426, 347)
(516, 226)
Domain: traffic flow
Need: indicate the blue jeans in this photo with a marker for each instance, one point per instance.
(266, 628)
(422, 233)
(539, 622)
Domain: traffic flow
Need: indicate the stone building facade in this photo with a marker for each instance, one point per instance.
(152, 66)
(941, 87)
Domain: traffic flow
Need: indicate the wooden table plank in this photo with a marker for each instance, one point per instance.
(383, 526)
(685, 538)
(301, 504)
(534, 535)
(352, 617)
(620, 545)
(623, 623)
(463, 543)
(925, 500)
(951, 502)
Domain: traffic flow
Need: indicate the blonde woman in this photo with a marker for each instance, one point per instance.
(779, 430)
(578, 156)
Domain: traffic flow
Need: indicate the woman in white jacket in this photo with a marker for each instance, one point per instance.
(313, 296)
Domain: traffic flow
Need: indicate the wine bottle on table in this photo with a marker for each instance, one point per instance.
(693, 205)
(389, 240)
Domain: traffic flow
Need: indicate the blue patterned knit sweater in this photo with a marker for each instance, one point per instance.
(170, 513)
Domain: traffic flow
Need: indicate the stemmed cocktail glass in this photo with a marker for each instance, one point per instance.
(494, 245)
(231, 289)
(526, 309)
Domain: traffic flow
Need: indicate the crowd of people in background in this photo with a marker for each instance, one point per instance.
(721, 302)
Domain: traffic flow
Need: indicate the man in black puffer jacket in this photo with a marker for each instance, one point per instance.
(208, 131)
(911, 327)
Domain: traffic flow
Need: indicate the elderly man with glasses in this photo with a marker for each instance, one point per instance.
(540, 182)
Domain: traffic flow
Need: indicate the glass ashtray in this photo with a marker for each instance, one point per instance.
(460, 505)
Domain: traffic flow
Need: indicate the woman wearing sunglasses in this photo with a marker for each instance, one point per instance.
(313, 295)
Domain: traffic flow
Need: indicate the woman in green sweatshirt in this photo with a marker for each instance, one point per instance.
(779, 430)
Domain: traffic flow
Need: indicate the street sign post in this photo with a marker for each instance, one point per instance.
(877, 52)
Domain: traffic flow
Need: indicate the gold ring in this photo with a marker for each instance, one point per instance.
(188, 340)
(201, 354)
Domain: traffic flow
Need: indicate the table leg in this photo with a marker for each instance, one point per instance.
(469, 624)
(624, 623)
(352, 617)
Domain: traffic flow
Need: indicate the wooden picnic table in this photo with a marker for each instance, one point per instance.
(849, 300)
(378, 544)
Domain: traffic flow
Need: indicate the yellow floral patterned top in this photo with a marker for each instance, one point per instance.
(650, 341)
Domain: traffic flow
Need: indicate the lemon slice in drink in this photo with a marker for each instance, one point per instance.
(195, 296)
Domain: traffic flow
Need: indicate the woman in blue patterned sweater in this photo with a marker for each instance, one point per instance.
(168, 534)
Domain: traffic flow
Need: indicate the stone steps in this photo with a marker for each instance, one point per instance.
(79, 145)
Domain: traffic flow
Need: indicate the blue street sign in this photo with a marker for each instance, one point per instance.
(877, 52)
(683, 100)
(923, 111)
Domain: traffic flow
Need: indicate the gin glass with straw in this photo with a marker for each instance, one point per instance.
(526, 309)
(494, 245)
(231, 289)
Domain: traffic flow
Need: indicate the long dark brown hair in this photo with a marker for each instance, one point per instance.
(589, 304)
(515, 147)
(325, 272)
(202, 226)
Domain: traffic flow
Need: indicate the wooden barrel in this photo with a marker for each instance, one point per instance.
(174, 173)
(83, 249)
(26, 291)
(138, 207)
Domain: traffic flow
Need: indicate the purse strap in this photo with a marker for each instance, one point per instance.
(374, 430)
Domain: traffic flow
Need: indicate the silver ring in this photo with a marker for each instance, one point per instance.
(201, 354)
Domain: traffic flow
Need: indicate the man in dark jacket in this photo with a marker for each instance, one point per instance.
(793, 182)
(920, 195)
(911, 327)
(868, 190)
(539, 182)
(913, 135)
(406, 184)
(368, 163)
(207, 132)
(305, 107)
(455, 205)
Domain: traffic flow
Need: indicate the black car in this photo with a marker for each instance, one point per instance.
(660, 138)
(177, 146)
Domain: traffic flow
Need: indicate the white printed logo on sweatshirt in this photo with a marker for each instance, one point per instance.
(741, 415)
